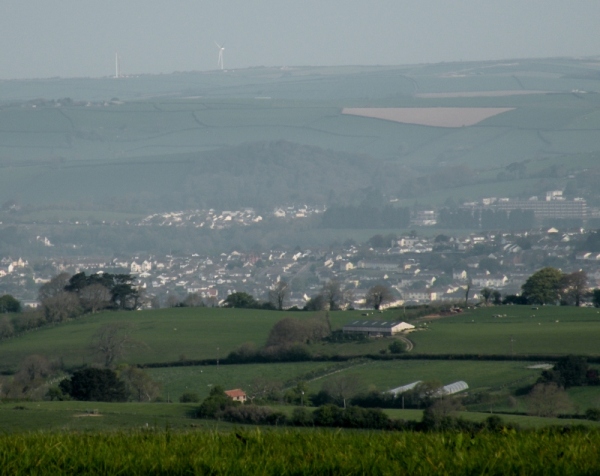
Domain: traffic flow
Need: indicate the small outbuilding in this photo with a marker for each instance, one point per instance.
(237, 395)
(377, 328)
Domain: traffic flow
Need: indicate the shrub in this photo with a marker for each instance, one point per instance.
(328, 415)
(592, 414)
(396, 347)
(301, 417)
(216, 402)
(189, 397)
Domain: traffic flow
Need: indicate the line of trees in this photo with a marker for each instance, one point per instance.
(65, 296)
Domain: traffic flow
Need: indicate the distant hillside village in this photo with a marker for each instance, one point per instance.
(416, 269)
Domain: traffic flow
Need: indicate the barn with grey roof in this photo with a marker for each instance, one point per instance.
(377, 328)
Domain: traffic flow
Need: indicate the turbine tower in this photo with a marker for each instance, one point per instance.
(117, 72)
(220, 64)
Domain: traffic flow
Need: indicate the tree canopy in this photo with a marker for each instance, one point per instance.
(92, 384)
(543, 287)
(241, 300)
(9, 304)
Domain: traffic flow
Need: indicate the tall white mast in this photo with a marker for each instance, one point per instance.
(117, 65)
(220, 59)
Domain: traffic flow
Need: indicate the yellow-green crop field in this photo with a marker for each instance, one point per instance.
(268, 452)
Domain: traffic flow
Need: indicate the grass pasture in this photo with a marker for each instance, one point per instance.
(177, 380)
(495, 377)
(97, 416)
(548, 330)
(169, 335)
(165, 335)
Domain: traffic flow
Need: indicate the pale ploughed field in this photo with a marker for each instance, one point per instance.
(430, 116)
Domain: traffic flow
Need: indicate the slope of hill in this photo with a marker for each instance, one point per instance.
(172, 139)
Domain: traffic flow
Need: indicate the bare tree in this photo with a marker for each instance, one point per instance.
(111, 342)
(428, 390)
(279, 294)
(6, 328)
(574, 286)
(333, 295)
(467, 291)
(95, 297)
(33, 367)
(62, 306)
(53, 287)
(486, 294)
(291, 331)
(378, 295)
(316, 303)
(342, 387)
(31, 374)
(173, 300)
(548, 400)
(140, 384)
(193, 300)
(262, 388)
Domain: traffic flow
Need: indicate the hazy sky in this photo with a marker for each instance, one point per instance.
(45, 38)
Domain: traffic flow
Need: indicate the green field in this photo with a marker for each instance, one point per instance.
(170, 335)
(380, 375)
(165, 335)
(549, 330)
(97, 416)
(85, 417)
(174, 335)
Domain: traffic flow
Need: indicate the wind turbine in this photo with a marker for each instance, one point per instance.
(220, 60)
(117, 72)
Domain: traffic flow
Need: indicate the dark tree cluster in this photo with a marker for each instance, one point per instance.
(242, 300)
(570, 371)
(331, 298)
(66, 297)
(122, 293)
(92, 384)
(9, 304)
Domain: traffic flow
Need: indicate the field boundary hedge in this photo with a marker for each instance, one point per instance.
(384, 357)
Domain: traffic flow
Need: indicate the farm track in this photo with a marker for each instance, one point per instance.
(409, 344)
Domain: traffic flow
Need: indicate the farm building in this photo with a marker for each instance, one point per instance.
(237, 395)
(449, 389)
(377, 328)
(405, 388)
(453, 388)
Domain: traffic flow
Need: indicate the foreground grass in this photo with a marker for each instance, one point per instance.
(301, 452)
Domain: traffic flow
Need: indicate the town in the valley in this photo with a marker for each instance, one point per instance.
(423, 265)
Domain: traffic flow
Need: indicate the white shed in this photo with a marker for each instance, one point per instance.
(377, 328)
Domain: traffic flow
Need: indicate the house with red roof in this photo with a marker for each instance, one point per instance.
(237, 395)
